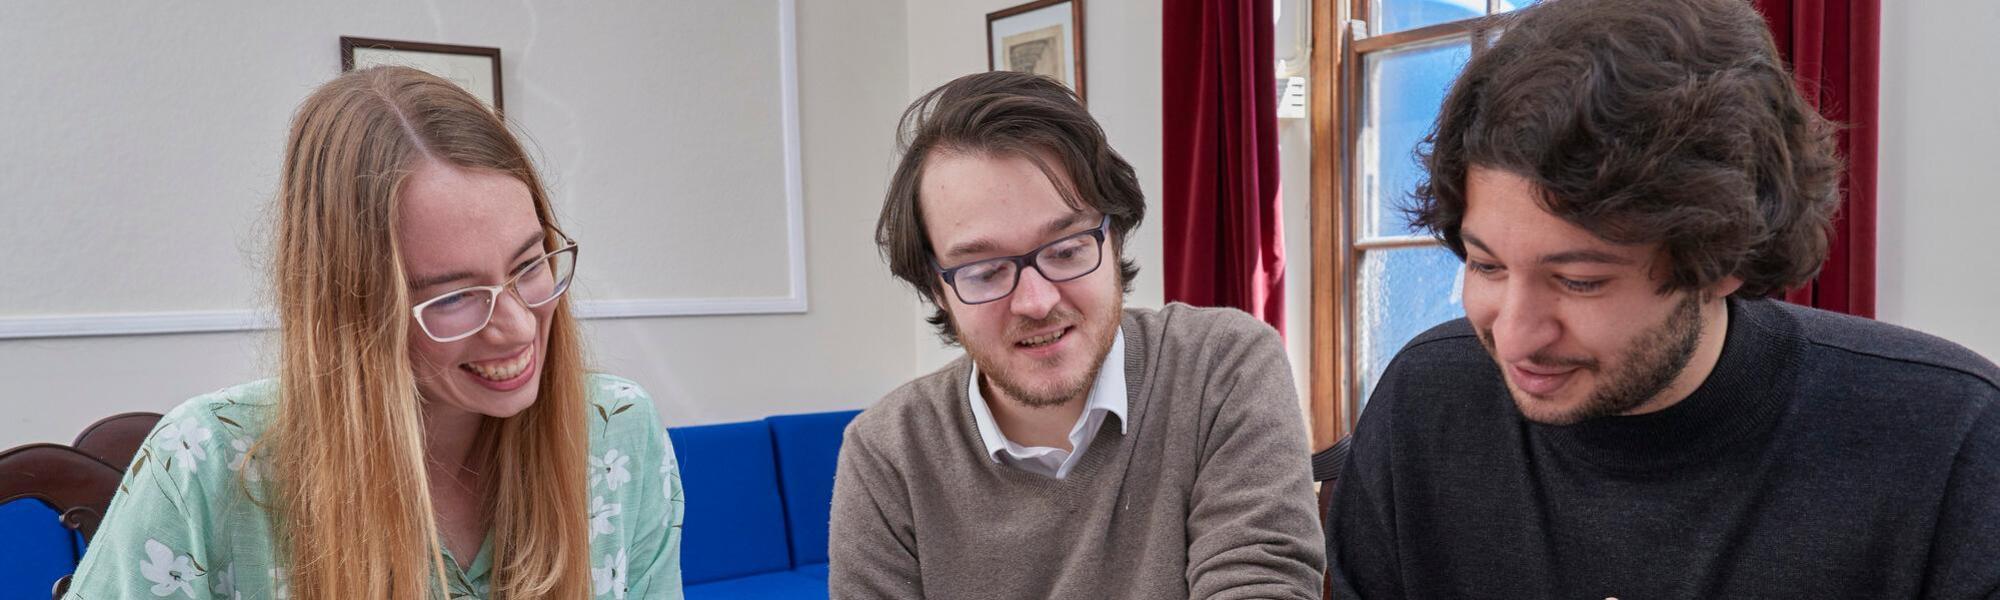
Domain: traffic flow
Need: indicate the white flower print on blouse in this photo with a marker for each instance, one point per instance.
(611, 577)
(600, 515)
(621, 390)
(610, 469)
(225, 586)
(281, 585)
(185, 441)
(168, 572)
(253, 470)
(667, 464)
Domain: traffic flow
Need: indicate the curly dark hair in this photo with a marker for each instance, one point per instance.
(1009, 114)
(1646, 121)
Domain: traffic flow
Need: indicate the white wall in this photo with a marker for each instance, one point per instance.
(731, 368)
(657, 125)
(947, 38)
(1936, 214)
(140, 123)
(861, 61)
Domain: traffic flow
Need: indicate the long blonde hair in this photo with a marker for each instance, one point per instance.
(352, 506)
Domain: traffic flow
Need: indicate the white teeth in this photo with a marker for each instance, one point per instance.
(504, 370)
(1044, 340)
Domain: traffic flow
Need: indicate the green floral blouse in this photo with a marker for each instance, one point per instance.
(182, 526)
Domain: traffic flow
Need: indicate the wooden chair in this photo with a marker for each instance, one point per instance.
(77, 481)
(116, 439)
(1326, 470)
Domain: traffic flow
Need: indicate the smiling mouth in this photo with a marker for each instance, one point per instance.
(501, 370)
(1044, 339)
(1541, 383)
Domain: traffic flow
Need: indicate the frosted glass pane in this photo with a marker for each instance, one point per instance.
(1405, 89)
(1400, 15)
(1404, 291)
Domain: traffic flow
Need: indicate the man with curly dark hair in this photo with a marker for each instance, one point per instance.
(1624, 411)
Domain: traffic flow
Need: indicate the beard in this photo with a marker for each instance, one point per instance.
(1019, 385)
(1646, 367)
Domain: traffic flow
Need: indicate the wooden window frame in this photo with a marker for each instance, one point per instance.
(1335, 104)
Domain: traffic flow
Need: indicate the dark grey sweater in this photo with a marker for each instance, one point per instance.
(1826, 456)
(1208, 495)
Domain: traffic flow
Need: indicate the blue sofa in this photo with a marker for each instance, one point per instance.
(759, 495)
(37, 550)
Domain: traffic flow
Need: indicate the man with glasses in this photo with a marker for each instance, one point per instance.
(1080, 449)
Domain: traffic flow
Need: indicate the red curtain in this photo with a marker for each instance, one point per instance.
(1834, 47)
(1223, 234)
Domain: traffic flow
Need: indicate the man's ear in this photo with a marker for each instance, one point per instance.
(939, 295)
(1722, 288)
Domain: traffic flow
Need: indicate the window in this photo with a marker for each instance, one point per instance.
(1380, 70)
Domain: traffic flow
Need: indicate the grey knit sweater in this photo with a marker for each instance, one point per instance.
(1209, 494)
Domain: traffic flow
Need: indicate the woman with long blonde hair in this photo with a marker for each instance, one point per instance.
(431, 432)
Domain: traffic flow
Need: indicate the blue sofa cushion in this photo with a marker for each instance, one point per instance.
(808, 447)
(783, 584)
(735, 524)
(816, 571)
(38, 549)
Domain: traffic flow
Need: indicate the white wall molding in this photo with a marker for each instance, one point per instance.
(795, 205)
(793, 302)
(218, 321)
(149, 323)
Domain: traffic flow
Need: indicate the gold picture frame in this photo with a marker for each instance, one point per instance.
(475, 68)
(1045, 37)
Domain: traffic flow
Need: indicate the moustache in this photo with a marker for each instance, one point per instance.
(1059, 316)
(1540, 359)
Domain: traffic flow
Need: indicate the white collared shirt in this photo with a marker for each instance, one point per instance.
(1107, 396)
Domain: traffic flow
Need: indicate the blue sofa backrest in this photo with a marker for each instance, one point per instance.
(759, 497)
(37, 549)
(735, 523)
(808, 447)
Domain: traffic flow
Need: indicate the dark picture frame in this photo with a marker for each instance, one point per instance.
(1019, 38)
(430, 58)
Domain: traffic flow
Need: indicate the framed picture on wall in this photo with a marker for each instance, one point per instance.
(1045, 37)
(475, 68)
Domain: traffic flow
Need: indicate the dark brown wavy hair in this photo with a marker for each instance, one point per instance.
(1007, 114)
(1646, 121)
